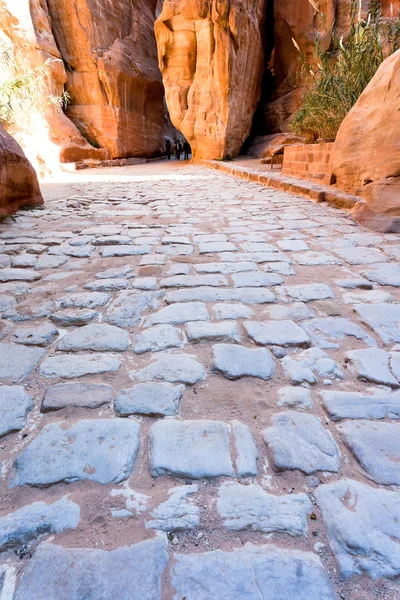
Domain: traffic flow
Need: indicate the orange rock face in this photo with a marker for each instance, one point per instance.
(367, 148)
(211, 59)
(18, 181)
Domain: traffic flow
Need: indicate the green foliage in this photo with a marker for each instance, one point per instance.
(343, 72)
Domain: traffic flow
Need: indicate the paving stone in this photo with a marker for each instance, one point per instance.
(18, 361)
(23, 261)
(292, 245)
(232, 311)
(383, 319)
(192, 281)
(145, 283)
(246, 450)
(360, 255)
(159, 337)
(18, 275)
(353, 284)
(361, 524)
(203, 331)
(373, 296)
(178, 239)
(127, 250)
(69, 317)
(241, 574)
(258, 247)
(305, 366)
(7, 303)
(5, 261)
(160, 399)
(194, 449)
(207, 247)
(298, 311)
(15, 404)
(394, 362)
(50, 262)
(177, 314)
(225, 268)
(30, 522)
(295, 397)
(384, 274)
(309, 292)
(210, 294)
(112, 240)
(101, 450)
(77, 251)
(152, 259)
(361, 405)
(99, 337)
(178, 513)
(277, 333)
(210, 238)
(376, 446)
(117, 272)
(250, 507)
(98, 574)
(83, 300)
(107, 285)
(299, 441)
(325, 331)
(256, 279)
(174, 368)
(78, 395)
(257, 257)
(127, 308)
(35, 335)
(175, 250)
(238, 361)
(372, 364)
(67, 366)
(283, 268)
(179, 269)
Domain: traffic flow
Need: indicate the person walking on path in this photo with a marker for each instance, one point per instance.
(178, 149)
(187, 149)
(168, 149)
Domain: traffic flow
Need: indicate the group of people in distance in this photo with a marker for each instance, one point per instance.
(178, 149)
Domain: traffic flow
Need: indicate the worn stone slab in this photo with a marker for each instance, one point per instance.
(50, 262)
(99, 337)
(383, 319)
(361, 405)
(74, 317)
(10, 274)
(210, 294)
(75, 251)
(178, 513)
(308, 292)
(353, 284)
(173, 368)
(372, 364)
(101, 450)
(78, 395)
(241, 574)
(376, 446)
(116, 273)
(107, 285)
(373, 296)
(298, 311)
(194, 449)
(235, 311)
(384, 274)
(83, 300)
(23, 261)
(152, 259)
(127, 308)
(315, 259)
(35, 335)
(277, 333)
(292, 245)
(145, 283)
(305, 367)
(153, 399)
(112, 240)
(179, 269)
(7, 303)
(33, 520)
(298, 441)
(325, 331)
(294, 397)
(203, 331)
(362, 527)
(235, 361)
(256, 279)
(70, 366)
(175, 249)
(124, 250)
(257, 257)
(249, 507)
(177, 314)
(15, 404)
(283, 268)
(360, 255)
(245, 450)
(18, 361)
(207, 247)
(67, 573)
(192, 281)
(157, 338)
(209, 238)
(225, 268)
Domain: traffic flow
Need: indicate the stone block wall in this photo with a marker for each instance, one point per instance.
(309, 161)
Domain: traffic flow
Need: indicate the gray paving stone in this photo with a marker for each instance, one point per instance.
(299, 441)
(257, 257)
(83, 300)
(117, 272)
(177, 239)
(152, 259)
(210, 294)
(298, 311)
(372, 364)
(373, 296)
(246, 450)
(210, 238)
(160, 399)
(107, 285)
(101, 450)
(325, 331)
(361, 405)
(50, 262)
(360, 255)
(235, 311)
(243, 573)
(23, 261)
(383, 319)
(99, 337)
(178, 513)
(277, 333)
(159, 337)
(173, 368)
(294, 397)
(145, 283)
(308, 292)
(225, 268)
(127, 250)
(283, 268)
(394, 362)
(192, 281)
(177, 314)
(179, 269)
(194, 449)
(362, 527)
(18, 275)
(5, 261)
(238, 361)
(112, 240)
(127, 308)
(207, 247)
(77, 251)
(256, 279)
(7, 303)
(35, 335)
(203, 331)
(384, 274)
(70, 317)
(305, 367)
(18, 361)
(30, 522)
(314, 259)
(98, 574)
(292, 245)
(250, 507)
(376, 446)
(353, 284)
(78, 395)
(15, 404)
(68, 366)
(175, 250)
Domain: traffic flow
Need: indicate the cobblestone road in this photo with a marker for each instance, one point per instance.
(198, 395)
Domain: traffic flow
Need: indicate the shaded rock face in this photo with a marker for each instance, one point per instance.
(18, 181)
(367, 149)
(211, 58)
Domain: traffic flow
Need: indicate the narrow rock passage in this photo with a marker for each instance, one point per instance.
(199, 394)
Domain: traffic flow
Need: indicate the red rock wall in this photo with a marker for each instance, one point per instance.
(309, 161)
